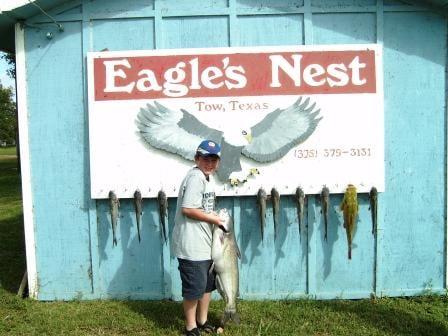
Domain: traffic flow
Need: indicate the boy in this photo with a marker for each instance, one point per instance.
(192, 237)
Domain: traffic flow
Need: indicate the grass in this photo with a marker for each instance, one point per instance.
(12, 251)
(426, 315)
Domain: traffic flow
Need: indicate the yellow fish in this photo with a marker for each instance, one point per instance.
(349, 206)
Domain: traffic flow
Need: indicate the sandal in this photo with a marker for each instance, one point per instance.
(206, 327)
(192, 332)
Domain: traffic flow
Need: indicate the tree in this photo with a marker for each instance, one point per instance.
(8, 124)
(11, 60)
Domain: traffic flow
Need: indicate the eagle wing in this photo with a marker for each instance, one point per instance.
(177, 132)
(282, 130)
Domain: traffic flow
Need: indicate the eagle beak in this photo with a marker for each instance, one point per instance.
(248, 137)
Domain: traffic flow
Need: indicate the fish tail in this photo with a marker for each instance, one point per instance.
(114, 231)
(230, 315)
(349, 245)
(375, 226)
(326, 228)
(375, 220)
(325, 223)
(262, 229)
(262, 223)
(138, 232)
(275, 228)
(163, 230)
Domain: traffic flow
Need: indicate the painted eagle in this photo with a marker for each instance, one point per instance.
(180, 132)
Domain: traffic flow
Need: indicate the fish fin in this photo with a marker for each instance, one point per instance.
(212, 267)
(220, 288)
(230, 315)
(238, 252)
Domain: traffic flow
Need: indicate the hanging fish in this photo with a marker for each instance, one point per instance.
(325, 199)
(373, 198)
(261, 202)
(349, 206)
(163, 212)
(114, 205)
(138, 204)
(300, 199)
(275, 197)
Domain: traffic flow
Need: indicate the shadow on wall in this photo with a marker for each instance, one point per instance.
(334, 222)
(132, 269)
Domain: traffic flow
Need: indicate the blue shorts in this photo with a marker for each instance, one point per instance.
(196, 278)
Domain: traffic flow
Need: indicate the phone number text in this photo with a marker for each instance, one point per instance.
(332, 153)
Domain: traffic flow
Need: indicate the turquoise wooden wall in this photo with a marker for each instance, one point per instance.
(74, 253)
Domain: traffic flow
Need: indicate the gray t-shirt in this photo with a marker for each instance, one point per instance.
(192, 239)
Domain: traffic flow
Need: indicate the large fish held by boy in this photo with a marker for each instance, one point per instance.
(349, 206)
(225, 254)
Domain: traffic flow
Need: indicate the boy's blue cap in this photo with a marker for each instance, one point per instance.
(209, 147)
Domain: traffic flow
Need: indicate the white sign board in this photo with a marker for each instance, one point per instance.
(288, 116)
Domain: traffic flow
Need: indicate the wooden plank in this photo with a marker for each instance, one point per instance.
(93, 232)
(412, 208)
(335, 273)
(189, 32)
(290, 253)
(270, 30)
(58, 156)
(132, 269)
(344, 28)
(25, 162)
(132, 34)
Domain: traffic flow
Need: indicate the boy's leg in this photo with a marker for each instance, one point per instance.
(197, 284)
(202, 310)
(190, 307)
(204, 302)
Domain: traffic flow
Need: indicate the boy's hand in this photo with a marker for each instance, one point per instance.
(198, 214)
(215, 219)
(220, 222)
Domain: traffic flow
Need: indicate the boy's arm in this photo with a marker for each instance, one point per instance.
(200, 215)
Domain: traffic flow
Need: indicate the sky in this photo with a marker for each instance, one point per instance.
(4, 79)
